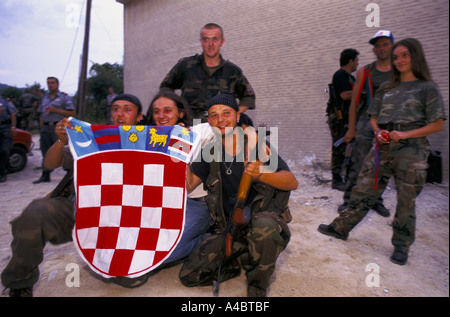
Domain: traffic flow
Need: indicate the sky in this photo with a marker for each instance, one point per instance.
(41, 38)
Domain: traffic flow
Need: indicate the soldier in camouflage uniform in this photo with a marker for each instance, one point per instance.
(380, 71)
(258, 244)
(409, 108)
(52, 218)
(201, 77)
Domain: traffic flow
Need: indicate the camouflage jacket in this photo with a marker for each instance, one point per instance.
(267, 199)
(198, 86)
(416, 102)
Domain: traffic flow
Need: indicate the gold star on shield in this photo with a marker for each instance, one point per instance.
(185, 131)
(78, 128)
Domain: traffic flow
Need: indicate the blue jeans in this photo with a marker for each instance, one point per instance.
(196, 224)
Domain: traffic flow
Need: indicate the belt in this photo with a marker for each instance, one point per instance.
(201, 199)
(51, 123)
(401, 126)
(5, 122)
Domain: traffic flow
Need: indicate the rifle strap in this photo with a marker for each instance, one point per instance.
(376, 163)
(367, 82)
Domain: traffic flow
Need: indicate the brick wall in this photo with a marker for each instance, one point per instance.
(288, 49)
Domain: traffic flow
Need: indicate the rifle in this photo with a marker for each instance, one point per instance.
(348, 154)
(235, 223)
(333, 105)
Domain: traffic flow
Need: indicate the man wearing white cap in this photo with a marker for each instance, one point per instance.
(358, 120)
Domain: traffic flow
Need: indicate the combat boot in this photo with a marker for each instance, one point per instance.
(381, 209)
(45, 178)
(338, 183)
(329, 231)
(21, 292)
(399, 257)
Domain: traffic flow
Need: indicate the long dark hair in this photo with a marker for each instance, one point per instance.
(181, 104)
(419, 64)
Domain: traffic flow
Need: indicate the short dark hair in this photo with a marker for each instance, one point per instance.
(210, 26)
(131, 98)
(347, 55)
(52, 77)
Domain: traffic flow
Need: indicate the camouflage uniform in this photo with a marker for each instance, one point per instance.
(46, 219)
(409, 106)
(364, 134)
(198, 86)
(256, 247)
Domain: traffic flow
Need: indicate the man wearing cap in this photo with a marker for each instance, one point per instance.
(52, 218)
(201, 77)
(55, 106)
(358, 120)
(257, 245)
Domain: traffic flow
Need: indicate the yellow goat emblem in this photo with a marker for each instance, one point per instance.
(156, 138)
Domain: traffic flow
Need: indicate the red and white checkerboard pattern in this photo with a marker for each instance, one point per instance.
(129, 215)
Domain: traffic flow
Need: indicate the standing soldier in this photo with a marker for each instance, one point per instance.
(27, 105)
(404, 112)
(358, 119)
(342, 84)
(55, 106)
(201, 77)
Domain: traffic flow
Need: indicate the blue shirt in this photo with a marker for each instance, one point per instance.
(61, 101)
(8, 108)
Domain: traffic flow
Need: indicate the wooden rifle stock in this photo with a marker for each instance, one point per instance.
(238, 215)
(234, 224)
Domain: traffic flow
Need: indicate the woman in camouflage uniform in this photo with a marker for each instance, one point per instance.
(403, 113)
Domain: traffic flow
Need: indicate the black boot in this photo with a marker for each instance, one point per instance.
(45, 178)
(381, 209)
(342, 207)
(399, 257)
(338, 183)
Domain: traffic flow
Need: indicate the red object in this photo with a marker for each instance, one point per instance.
(130, 210)
(229, 245)
(385, 135)
(24, 138)
(22, 145)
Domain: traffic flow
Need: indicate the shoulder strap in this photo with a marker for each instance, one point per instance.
(367, 83)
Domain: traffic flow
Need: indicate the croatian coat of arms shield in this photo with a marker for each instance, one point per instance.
(131, 197)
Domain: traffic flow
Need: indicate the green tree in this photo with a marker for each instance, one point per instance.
(11, 92)
(101, 77)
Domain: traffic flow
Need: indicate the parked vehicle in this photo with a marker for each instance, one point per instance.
(18, 157)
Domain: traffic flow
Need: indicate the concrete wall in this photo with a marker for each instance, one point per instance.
(288, 49)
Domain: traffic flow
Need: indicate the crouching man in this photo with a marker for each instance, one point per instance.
(257, 244)
(52, 218)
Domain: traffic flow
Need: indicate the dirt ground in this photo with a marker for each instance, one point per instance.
(313, 265)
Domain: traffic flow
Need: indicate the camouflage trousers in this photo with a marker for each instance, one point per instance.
(46, 219)
(406, 161)
(256, 249)
(363, 143)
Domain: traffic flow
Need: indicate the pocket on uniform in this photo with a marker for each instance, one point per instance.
(416, 173)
